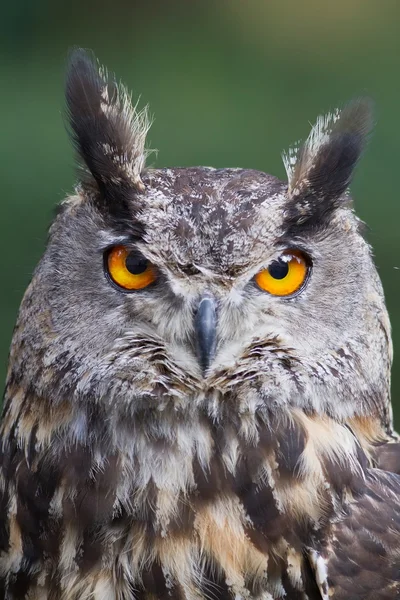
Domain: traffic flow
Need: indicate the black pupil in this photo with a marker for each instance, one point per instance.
(136, 264)
(278, 269)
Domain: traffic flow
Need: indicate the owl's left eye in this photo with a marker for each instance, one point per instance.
(129, 270)
(286, 275)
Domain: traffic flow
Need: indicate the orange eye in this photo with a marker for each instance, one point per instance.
(284, 276)
(128, 269)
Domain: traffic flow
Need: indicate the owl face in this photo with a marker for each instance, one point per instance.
(186, 285)
(207, 235)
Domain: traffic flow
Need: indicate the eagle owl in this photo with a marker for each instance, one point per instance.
(197, 402)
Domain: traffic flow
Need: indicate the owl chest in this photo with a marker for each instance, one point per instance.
(161, 514)
(171, 524)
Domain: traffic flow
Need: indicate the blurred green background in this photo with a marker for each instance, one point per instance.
(230, 82)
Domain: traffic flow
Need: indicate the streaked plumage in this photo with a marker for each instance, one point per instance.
(143, 458)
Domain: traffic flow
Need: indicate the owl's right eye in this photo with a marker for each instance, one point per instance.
(286, 275)
(129, 270)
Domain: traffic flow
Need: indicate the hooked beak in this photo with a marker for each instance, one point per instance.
(205, 325)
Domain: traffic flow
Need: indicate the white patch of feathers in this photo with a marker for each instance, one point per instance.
(299, 159)
(136, 122)
(321, 572)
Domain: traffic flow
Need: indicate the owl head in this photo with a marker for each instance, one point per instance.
(199, 287)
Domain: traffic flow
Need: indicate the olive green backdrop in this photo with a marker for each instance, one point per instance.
(230, 82)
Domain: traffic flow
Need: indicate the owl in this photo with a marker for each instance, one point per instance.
(197, 402)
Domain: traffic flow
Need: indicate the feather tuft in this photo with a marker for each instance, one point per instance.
(320, 171)
(108, 131)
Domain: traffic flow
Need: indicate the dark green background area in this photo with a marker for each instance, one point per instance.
(230, 82)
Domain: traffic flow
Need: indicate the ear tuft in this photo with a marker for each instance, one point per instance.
(107, 130)
(320, 171)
